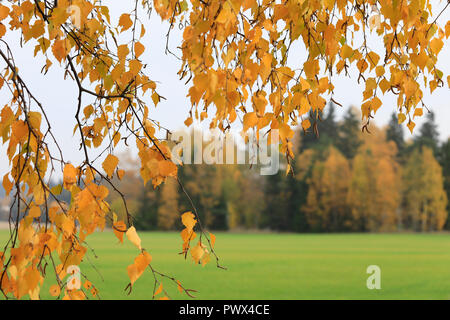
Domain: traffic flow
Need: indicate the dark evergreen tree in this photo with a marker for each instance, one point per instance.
(326, 134)
(296, 194)
(444, 159)
(394, 132)
(275, 215)
(220, 214)
(349, 137)
(147, 215)
(428, 135)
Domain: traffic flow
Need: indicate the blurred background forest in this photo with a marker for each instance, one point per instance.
(343, 181)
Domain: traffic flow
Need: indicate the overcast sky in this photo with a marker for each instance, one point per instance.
(60, 97)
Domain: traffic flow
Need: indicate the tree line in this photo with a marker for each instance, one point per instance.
(343, 180)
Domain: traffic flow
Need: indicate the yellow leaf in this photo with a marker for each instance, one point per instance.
(384, 85)
(133, 237)
(197, 252)
(34, 119)
(411, 126)
(69, 176)
(379, 71)
(60, 50)
(418, 112)
(7, 184)
(142, 261)
(159, 290)
(167, 168)
(56, 190)
(55, 290)
(306, 124)
(135, 66)
(133, 273)
(305, 84)
(110, 164)
(140, 264)
(125, 21)
(225, 14)
(188, 220)
(375, 104)
(188, 121)
(4, 11)
(122, 52)
(179, 287)
(311, 68)
(436, 45)
(373, 59)
(35, 212)
(206, 258)
(250, 120)
(213, 239)
(139, 49)
(187, 235)
(155, 98)
(119, 228)
(346, 52)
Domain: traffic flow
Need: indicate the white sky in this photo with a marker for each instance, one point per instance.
(60, 97)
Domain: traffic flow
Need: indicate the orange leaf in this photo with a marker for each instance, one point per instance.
(197, 252)
(119, 228)
(159, 290)
(69, 176)
(110, 164)
(125, 21)
(139, 49)
(55, 290)
(188, 220)
(120, 174)
(213, 239)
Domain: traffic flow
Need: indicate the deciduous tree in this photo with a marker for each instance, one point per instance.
(326, 206)
(424, 185)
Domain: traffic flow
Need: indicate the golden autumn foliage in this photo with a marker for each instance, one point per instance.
(424, 188)
(374, 191)
(234, 56)
(328, 188)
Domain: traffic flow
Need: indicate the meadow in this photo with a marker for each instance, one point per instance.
(280, 266)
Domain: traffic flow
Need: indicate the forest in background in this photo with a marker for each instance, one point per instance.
(343, 181)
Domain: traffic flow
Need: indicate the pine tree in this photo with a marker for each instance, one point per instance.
(428, 135)
(147, 215)
(349, 138)
(394, 132)
(444, 160)
(274, 216)
(327, 128)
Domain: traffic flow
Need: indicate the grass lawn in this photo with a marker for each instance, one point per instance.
(281, 266)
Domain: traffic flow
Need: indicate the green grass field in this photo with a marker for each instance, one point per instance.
(282, 266)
